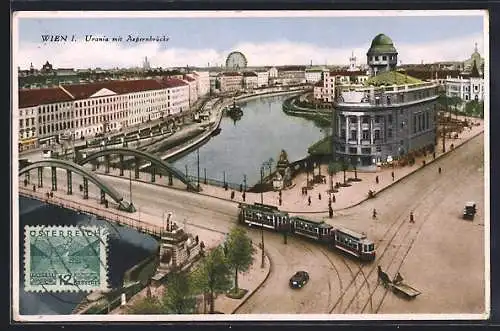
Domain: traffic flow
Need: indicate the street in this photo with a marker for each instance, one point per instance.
(339, 284)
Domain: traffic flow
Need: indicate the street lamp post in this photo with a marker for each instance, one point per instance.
(198, 164)
(262, 216)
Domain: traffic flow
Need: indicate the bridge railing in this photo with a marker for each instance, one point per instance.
(100, 213)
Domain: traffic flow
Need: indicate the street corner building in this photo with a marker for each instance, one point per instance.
(382, 114)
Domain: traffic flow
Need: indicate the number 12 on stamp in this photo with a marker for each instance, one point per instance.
(65, 258)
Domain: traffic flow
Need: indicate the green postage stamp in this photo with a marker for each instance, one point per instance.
(65, 258)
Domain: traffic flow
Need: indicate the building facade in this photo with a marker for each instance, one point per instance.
(231, 81)
(381, 121)
(250, 80)
(81, 111)
(262, 78)
(203, 81)
(313, 75)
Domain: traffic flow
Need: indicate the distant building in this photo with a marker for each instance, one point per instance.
(262, 78)
(470, 87)
(250, 80)
(476, 59)
(145, 65)
(313, 75)
(230, 81)
(203, 81)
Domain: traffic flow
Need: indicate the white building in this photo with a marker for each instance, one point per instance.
(193, 88)
(273, 72)
(203, 81)
(250, 80)
(313, 75)
(231, 81)
(262, 78)
(325, 89)
(46, 115)
(466, 88)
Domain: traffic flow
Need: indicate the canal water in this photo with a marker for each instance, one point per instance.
(243, 145)
(127, 247)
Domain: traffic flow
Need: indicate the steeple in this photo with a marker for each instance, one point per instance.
(475, 47)
(474, 73)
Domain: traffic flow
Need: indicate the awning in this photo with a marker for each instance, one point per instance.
(28, 141)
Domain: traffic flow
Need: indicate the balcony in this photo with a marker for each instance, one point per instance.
(352, 142)
(365, 142)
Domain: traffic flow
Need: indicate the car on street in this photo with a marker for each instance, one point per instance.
(469, 210)
(299, 279)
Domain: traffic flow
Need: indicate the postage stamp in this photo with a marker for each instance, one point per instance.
(65, 258)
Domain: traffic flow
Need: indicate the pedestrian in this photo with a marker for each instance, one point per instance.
(243, 196)
(319, 196)
(51, 194)
(232, 195)
(434, 155)
(392, 174)
(333, 198)
(280, 201)
(374, 215)
(412, 220)
(34, 188)
(376, 179)
(439, 170)
(309, 200)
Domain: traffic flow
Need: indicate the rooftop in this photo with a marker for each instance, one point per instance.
(392, 78)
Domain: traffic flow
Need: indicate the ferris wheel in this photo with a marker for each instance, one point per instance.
(236, 60)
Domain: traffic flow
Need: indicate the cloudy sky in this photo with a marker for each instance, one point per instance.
(329, 38)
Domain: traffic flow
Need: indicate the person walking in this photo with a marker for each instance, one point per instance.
(412, 220)
(374, 215)
(319, 196)
(376, 179)
(309, 201)
(392, 174)
(439, 170)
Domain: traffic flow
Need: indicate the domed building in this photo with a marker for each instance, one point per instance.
(388, 116)
(475, 58)
(382, 55)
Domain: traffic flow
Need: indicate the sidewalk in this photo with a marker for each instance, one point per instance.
(250, 280)
(294, 202)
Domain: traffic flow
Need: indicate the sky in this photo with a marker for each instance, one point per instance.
(270, 40)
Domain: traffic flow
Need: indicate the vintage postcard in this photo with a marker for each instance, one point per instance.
(250, 166)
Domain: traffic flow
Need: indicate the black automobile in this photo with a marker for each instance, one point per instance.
(299, 279)
(469, 210)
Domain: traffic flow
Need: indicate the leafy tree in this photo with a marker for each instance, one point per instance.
(345, 166)
(239, 252)
(333, 168)
(212, 276)
(179, 298)
(147, 305)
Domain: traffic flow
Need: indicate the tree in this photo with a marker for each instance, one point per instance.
(345, 166)
(212, 276)
(354, 163)
(179, 298)
(239, 253)
(147, 305)
(333, 168)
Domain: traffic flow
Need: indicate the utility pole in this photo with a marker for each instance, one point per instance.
(198, 163)
(262, 217)
(130, 184)
(444, 120)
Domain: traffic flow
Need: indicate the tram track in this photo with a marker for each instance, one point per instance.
(402, 222)
(396, 226)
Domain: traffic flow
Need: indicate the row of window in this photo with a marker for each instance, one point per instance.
(420, 122)
(383, 57)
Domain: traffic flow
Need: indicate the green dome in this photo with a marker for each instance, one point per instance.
(382, 44)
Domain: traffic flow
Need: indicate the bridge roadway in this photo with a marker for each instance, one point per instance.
(339, 284)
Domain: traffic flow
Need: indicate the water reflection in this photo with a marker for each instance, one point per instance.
(126, 248)
(242, 146)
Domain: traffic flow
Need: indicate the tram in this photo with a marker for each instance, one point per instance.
(345, 240)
